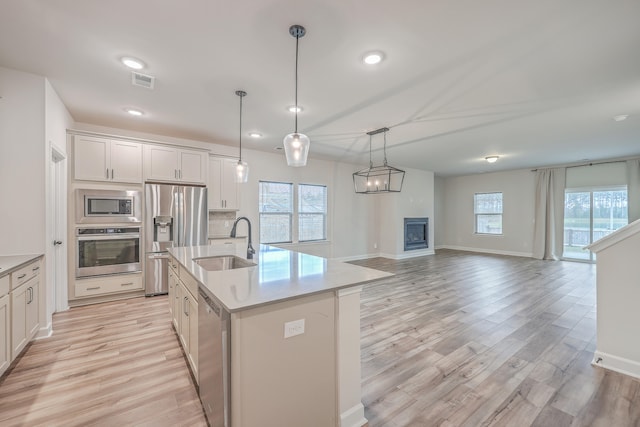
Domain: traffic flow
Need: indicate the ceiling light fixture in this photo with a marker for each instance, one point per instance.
(255, 135)
(242, 168)
(134, 112)
(294, 109)
(133, 63)
(373, 58)
(296, 145)
(492, 159)
(378, 179)
(621, 117)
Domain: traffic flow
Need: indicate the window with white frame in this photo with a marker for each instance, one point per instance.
(312, 212)
(276, 212)
(284, 219)
(487, 208)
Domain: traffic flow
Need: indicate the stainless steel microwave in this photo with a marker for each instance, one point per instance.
(108, 206)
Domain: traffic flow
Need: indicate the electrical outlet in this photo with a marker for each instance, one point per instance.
(293, 328)
(375, 246)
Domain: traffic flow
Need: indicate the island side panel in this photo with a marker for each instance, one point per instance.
(285, 381)
(350, 405)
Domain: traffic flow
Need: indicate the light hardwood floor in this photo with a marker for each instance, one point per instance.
(464, 339)
(455, 339)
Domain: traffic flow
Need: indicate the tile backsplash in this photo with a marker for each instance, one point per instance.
(220, 223)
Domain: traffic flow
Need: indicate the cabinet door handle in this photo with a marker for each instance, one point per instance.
(126, 284)
(93, 288)
(185, 304)
(30, 289)
(111, 173)
(22, 276)
(180, 173)
(107, 173)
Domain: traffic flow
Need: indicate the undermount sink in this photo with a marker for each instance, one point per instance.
(226, 262)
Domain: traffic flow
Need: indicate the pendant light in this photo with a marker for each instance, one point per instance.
(242, 168)
(378, 179)
(296, 145)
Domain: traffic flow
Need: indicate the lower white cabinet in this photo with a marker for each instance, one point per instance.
(183, 308)
(5, 333)
(24, 315)
(108, 285)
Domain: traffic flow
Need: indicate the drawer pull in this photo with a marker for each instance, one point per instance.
(35, 269)
(22, 276)
(126, 284)
(93, 288)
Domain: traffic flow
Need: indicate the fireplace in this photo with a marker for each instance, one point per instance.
(416, 233)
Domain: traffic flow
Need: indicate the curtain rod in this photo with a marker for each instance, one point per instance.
(586, 164)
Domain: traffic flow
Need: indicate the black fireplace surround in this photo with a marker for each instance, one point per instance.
(416, 233)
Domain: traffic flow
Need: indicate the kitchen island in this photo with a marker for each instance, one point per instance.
(294, 334)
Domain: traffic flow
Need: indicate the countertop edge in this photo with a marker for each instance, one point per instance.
(16, 262)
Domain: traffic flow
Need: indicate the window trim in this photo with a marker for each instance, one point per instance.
(294, 215)
(324, 215)
(477, 214)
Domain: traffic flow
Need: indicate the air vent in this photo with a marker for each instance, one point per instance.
(139, 79)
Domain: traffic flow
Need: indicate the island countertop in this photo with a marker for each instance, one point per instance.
(279, 275)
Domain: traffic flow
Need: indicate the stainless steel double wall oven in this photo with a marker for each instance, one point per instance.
(108, 232)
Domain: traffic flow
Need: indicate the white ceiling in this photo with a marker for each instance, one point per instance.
(535, 82)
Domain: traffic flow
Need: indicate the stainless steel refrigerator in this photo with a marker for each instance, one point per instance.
(175, 215)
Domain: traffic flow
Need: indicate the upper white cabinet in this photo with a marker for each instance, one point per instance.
(163, 163)
(223, 190)
(101, 159)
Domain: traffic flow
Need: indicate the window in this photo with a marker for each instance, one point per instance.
(312, 212)
(276, 212)
(590, 214)
(488, 213)
(281, 223)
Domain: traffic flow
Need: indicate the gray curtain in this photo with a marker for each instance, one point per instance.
(548, 230)
(633, 189)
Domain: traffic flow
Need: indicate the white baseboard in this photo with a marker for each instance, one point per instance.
(487, 251)
(355, 257)
(353, 417)
(616, 363)
(44, 332)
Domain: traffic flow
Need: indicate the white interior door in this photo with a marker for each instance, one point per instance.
(60, 302)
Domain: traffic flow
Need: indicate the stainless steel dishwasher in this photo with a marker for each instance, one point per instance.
(214, 353)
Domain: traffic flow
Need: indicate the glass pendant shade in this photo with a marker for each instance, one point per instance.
(242, 172)
(296, 149)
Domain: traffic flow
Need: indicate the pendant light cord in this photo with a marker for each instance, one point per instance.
(240, 161)
(370, 158)
(297, 40)
(385, 147)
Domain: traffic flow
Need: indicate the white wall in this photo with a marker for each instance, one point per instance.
(415, 200)
(440, 213)
(22, 163)
(352, 218)
(517, 189)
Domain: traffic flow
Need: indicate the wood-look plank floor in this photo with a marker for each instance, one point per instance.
(111, 364)
(464, 339)
(454, 339)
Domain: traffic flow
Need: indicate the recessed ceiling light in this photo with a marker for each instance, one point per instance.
(294, 109)
(373, 58)
(134, 112)
(492, 159)
(255, 135)
(621, 117)
(133, 63)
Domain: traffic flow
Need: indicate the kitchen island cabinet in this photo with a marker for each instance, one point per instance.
(294, 335)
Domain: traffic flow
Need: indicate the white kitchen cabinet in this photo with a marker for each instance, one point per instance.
(183, 305)
(101, 159)
(223, 190)
(106, 285)
(172, 164)
(5, 333)
(25, 288)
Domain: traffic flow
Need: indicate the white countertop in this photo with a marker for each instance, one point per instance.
(13, 262)
(279, 275)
